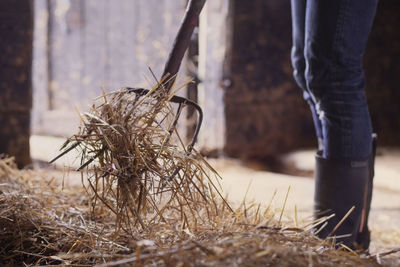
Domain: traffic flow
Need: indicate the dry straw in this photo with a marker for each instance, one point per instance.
(41, 224)
(151, 201)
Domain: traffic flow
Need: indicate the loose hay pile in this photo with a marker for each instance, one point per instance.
(39, 222)
(43, 224)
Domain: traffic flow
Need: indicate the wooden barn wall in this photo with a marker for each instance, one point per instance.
(16, 26)
(81, 45)
(382, 71)
(214, 49)
(265, 112)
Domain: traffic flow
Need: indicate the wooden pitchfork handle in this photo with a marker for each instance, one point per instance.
(181, 43)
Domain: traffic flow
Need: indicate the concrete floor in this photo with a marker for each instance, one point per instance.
(261, 185)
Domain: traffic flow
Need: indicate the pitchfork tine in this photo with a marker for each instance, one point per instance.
(65, 152)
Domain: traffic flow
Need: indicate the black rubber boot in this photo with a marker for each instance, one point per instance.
(340, 185)
(364, 236)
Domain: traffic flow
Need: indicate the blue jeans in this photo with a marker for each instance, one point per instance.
(329, 39)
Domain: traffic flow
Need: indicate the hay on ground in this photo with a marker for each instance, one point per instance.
(43, 224)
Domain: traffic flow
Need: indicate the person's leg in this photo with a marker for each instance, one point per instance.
(335, 39)
(298, 60)
(336, 33)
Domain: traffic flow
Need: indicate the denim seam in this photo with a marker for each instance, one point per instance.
(338, 39)
(347, 140)
(337, 46)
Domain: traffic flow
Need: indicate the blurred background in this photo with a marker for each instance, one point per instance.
(239, 57)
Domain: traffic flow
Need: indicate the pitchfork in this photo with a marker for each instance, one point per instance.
(181, 43)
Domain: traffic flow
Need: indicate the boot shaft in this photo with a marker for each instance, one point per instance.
(339, 186)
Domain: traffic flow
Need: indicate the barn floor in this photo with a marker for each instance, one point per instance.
(262, 182)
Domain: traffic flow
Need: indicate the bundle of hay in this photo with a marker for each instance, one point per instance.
(137, 164)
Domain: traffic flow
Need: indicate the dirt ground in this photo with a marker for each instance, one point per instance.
(259, 183)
